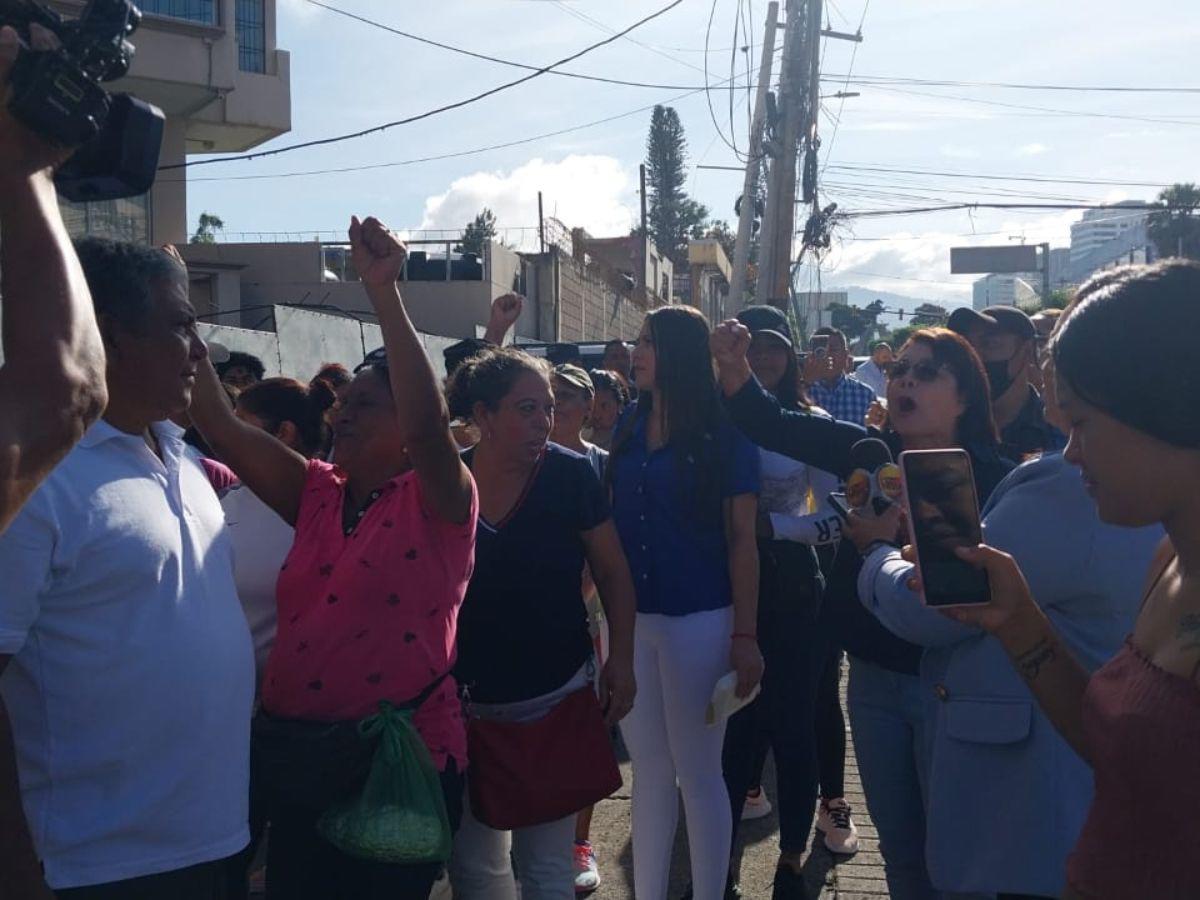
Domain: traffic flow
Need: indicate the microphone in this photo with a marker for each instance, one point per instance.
(875, 479)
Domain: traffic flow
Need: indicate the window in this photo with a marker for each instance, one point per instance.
(122, 220)
(252, 35)
(203, 11)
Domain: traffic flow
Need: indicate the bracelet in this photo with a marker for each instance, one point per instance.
(744, 635)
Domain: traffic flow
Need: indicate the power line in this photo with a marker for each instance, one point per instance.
(432, 112)
(452, 155)
(596, 23)
(712, 113)
(1069, 179)
(842, 104)
(1071, 88)
(950, 207)
(1042, 109)
(495, 59)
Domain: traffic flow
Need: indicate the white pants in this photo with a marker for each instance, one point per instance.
(677, 661)
(480, 867)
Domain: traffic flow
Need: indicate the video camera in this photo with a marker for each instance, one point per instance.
(57, 94)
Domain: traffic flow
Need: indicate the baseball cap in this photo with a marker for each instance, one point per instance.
(576, 377)
(457, 354)
(766, 320)
(1008, 319)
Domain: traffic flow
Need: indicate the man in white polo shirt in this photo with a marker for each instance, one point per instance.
(127, 668)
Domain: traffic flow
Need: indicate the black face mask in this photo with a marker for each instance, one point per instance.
(998, 377)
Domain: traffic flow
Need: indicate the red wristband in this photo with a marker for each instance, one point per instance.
(743, 634)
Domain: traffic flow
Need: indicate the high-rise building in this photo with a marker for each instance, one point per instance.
(1099, 227)
(1003, 290)
(213, 68)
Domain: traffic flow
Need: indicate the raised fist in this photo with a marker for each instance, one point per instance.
(378, 255)
(506, 309)
(729, 343)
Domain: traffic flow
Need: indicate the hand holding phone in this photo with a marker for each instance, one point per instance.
(943, 517)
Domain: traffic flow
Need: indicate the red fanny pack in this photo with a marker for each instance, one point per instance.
(530, 773)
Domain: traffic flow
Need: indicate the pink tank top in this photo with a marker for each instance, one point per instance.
(1142, 833)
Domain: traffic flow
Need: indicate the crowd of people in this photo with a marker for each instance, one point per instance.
(384, 626)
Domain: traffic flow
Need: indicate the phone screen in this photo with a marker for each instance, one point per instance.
(943, 514)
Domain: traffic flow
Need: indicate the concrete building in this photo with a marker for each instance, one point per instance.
(1100, 227)
(240, 284)
(213, 68)
(1005, 290)
(588, 294)
(709, 272)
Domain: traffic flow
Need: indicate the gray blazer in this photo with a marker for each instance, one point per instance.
(1007, 795)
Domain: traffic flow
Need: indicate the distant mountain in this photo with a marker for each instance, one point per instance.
(860, 296)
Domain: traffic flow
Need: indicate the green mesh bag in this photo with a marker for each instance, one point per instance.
(400, 816)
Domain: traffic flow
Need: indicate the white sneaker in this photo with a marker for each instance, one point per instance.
(587, 876)
(757, 805)
(833, 820)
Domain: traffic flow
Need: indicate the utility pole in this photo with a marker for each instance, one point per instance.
(779, 221)
(641, 278)
(741, 251)
(799, 106)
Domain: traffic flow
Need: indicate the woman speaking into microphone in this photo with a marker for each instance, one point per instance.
(937, 396)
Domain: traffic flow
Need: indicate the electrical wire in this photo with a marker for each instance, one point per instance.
(845, 88)
(1042, 109)
(488, 57)
(596, 23)
(452, 155)
(950, 207)
(712, 113)
(1002, 85)
(319, 142)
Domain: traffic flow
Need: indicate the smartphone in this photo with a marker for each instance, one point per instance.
(819, 345)
(943, 515)
(838, 502)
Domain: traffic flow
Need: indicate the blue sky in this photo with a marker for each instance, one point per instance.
(347, 76)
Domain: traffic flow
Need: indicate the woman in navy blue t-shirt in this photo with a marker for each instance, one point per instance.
(684, 484)
(523, 641)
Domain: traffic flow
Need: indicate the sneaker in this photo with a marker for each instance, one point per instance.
(587, 876)
(834, 821)
(757, 805)
(788, 884)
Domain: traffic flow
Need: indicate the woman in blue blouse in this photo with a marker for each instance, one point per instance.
(684, 485)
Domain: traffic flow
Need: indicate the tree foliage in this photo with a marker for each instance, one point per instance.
(856, 322)
(206, 229)
(478, 232)
(672, 216)
(1176, 229)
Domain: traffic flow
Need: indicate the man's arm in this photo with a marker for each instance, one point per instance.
(420, 407)
(52, 383)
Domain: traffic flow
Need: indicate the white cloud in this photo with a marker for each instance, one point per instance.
(592, 192)
(1034, 149)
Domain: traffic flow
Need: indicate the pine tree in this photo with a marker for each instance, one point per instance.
(478, 232)
(672, 216)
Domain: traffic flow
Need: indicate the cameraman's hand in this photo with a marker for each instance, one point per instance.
(23, 154)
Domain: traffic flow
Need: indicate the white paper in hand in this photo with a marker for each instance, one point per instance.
(725, 702)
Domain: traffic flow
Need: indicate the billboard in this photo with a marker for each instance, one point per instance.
(989, 260)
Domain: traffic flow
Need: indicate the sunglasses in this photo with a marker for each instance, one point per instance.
(924, 371)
